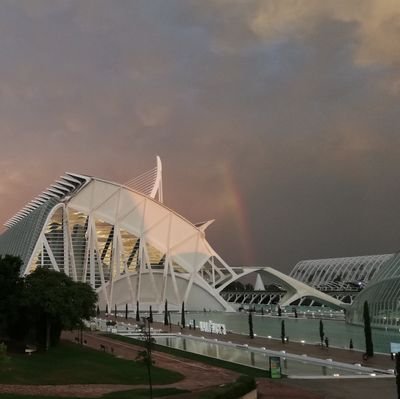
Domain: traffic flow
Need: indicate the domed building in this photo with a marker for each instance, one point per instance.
(383, 297)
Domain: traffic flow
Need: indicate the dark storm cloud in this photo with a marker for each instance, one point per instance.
(277, 118)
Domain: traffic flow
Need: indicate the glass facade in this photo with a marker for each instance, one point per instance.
(342, 278)
(383, 297)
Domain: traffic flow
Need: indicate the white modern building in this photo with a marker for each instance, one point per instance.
(129, 246)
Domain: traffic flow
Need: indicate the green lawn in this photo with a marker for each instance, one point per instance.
(70, 363)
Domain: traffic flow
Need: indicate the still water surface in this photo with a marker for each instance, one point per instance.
(252, 358)
(338, 332)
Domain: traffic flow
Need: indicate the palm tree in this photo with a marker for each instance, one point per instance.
(369, 346)
(137, 311)
(321, 331)
(166, 313)
(283, 333)
(251, 332)
(183, 322)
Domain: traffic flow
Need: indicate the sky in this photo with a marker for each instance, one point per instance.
(278, 118)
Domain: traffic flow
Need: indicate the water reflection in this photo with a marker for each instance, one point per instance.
(298, 329)
(240, 355)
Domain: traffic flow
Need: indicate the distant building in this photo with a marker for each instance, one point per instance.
(382, 295)
(343, 278)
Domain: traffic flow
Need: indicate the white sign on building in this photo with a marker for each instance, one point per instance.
(211, 327)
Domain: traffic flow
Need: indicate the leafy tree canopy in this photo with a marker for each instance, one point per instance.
(42, 304)
(11, 286)
(58, 296)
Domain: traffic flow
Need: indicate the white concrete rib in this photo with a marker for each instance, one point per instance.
(59, 190)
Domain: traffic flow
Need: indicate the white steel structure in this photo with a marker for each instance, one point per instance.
(338, 273)
(342, 278)
(124, 242)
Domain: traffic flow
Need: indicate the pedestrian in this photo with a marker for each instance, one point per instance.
(351, 346)
(327, 342)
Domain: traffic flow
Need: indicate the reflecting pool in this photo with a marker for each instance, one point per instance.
(307, 329)
(291, 365)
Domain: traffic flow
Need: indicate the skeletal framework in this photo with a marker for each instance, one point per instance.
(124, 242)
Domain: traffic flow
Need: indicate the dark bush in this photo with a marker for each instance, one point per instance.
(244, 384)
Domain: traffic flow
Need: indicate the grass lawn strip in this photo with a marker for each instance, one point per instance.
(241, 369)
(69, 363)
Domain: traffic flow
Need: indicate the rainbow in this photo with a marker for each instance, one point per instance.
(235, 202)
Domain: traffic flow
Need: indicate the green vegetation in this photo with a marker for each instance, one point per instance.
(11, 286)
(145, 355)
(54, 303)
(37, 308)
(251, 331)
(369, 346)
(183, 322)
(137, 311)
(239, 368)
(321, 331)
(78, 365)
(166, 313)
(237, 389)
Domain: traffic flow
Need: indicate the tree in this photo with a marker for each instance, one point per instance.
(137, 311)
(11, 289)
(235, 286)
(183, 322)
(251, 332)
(166, 313)
(56, 302)
(146, 354)
(283, 333)
(321, 331)
(249, 287)
(369, 346)
(151, 315)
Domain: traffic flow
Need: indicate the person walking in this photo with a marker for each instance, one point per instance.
(327, 342)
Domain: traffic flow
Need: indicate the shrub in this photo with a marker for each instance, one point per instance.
(244, 384)
(3, 353)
